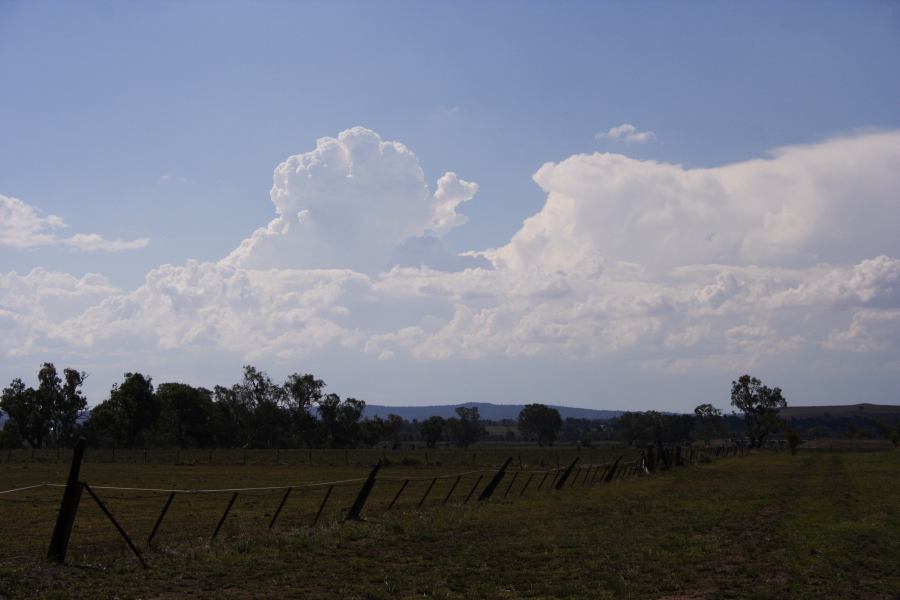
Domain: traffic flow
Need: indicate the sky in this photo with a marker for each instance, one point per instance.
(605, 205)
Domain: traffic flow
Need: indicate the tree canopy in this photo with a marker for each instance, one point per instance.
(540, 422)
(760, 405)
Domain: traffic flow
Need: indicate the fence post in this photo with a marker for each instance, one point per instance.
(565, 475)
(397, 497)
(474, 487)
(425, 495)
(612, 470)
(160, 518)
(121, 531)
(488, 490)
(68, 508)
(453, 487)
(511, 482)
(364, 491)
(224, 515)
(280, 506)
(543, 479)
(322, 506)
(527, 481)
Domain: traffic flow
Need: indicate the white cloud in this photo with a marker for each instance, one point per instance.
(350, 203)
(22, 226)
(791, 259)
(626, 132)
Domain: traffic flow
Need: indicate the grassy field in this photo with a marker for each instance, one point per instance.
(817, 525)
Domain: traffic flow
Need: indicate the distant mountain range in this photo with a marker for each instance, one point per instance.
(492, 412)
(839, 410)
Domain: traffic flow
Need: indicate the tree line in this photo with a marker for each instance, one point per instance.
(258, 412)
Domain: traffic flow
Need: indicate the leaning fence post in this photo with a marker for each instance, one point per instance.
(565, 475)
(453, 487)
(364, 491)
(280, 506)
(511, 482)
(488, 490)
(105, 510)
(527, 481)
(543, 479)
(68, 508)
(397, 497)
(222, 520)
(474, 487)
(425, 495)
(160, 518)
(322, 506)
(612, 470)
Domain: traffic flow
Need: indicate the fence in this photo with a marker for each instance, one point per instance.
(428, 457)
(205, 512)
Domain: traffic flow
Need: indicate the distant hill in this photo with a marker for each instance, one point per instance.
(493, 412)
(839, 410)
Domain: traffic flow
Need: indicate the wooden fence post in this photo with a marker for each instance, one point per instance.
(565, 475)
(488, 490)
(397, 497)
(121, 531)
(224, 515)
(612, 470)
(511, 482)
(364, 491)
(474, 487)
(322, 506)
(453, 487)
(160, 518)
(527, 481)
(425, 495)
(68, 508)
(280, 506)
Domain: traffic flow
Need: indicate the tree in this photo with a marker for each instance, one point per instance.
(187, 413)
(760, 405)
(541, 422)
(339, 421)
(50, 413)
(21, 404)
(708, 422)
(466, 427)
(432, 430)
(129, 414)
(303, 393)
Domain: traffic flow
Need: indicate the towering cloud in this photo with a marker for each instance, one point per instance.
(350, 203)
(792, 258)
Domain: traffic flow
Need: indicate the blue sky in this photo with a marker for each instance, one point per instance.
(165, 121)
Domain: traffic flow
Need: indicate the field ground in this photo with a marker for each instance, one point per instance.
(816, 525)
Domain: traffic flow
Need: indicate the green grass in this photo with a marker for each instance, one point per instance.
(818, 525)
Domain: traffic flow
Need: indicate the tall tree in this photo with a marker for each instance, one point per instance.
(432, 430)
(303, 393)
(540, 422)
(21, 404)
(188, 413)
(466, 428)
(50, 413)
(136, 406)
(760, 405)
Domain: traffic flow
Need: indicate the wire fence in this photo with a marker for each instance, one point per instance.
(151, 517)
(482, 455)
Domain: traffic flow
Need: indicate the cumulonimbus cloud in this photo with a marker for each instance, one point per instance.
(350, 203)
(22, 226)
(794, 255)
